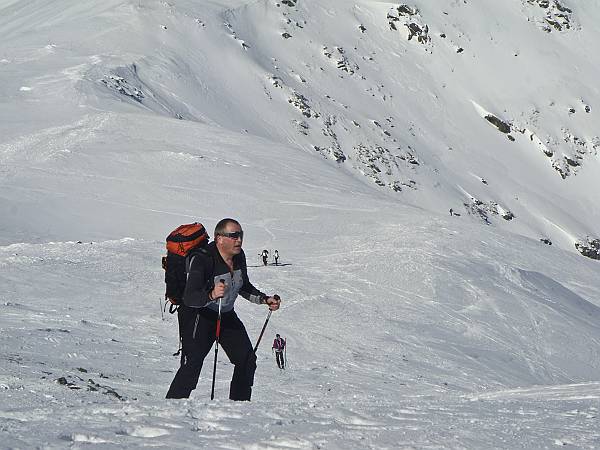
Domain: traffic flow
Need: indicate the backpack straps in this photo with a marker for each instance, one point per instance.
(190, 259)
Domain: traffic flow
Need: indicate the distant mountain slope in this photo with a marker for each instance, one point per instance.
(488, 109)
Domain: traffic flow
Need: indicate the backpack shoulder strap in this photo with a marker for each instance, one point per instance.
(189, 259)
(192, 256)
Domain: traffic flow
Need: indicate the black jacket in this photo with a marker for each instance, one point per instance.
(206, 268)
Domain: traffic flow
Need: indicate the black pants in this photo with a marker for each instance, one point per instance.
(279, 359)
(198, 329)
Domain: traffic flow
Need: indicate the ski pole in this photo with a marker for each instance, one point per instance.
(276, 297)
(218, 333)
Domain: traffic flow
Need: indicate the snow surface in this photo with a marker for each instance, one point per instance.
(406, 327)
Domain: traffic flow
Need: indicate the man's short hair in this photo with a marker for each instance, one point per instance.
(220, 228)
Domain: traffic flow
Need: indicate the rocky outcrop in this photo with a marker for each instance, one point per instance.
(589, 247)
(382, 166)
(342, 62)
(123, 87)
(301, 102)
(554, 15)
(484, 210)
(498, 123)
(408, 19)
(332, 152)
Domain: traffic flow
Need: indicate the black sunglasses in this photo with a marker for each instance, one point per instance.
(233, 234)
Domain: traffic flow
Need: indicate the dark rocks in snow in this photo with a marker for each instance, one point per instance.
(483, 210)
(409, 158)
(476, 208)
(587, 108)
(589, 247)
(579, 148)
(546, 241)
(302, 127)
(381, 165)
(572, 162)
(507, 215)
(411, 19)
(290, 3)
(332, 153)
(107, 390)
(556, 16)
(420, 32)
(498, 123)
(301, 102)
(275, 81)
(286, 35)
(77, 383)
(63, 381)
(121, 86)
(342, 61)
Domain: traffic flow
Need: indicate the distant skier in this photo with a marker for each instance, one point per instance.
(265, 256)
(279, 348)
(276, 256)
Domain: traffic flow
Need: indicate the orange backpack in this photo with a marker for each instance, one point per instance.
(180, 242)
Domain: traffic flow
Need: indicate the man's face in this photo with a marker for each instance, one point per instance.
(230, 242)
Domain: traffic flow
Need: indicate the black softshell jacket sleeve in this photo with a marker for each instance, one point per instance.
(248, 291)
(198, 283)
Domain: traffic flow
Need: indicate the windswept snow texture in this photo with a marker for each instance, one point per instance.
(342, 134)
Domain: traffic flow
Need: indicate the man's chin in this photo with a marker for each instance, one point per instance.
(237, 250)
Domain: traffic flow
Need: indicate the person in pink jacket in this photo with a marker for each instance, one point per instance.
(279, 348)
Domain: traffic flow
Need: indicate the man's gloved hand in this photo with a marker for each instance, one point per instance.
(273, 302)
(218, 291)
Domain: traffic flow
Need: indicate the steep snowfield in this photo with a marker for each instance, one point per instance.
(406, 327)
(342, 80)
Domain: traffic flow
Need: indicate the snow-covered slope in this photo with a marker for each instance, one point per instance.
(344, 80)
(407, 327)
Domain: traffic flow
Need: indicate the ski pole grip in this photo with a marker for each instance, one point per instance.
(218, 298)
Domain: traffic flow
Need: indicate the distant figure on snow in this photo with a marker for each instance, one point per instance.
(279, 348)
(451, 211)
(265, 256)
(276, 256)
